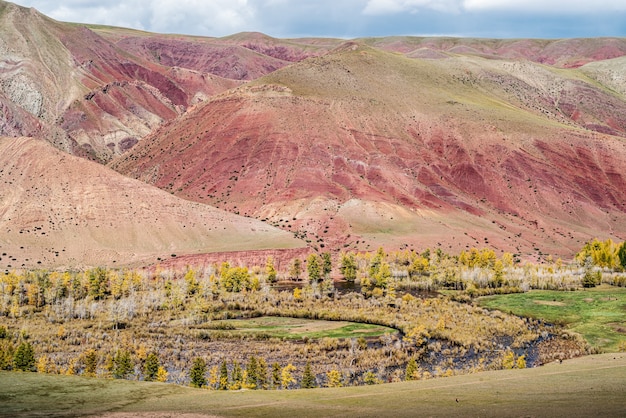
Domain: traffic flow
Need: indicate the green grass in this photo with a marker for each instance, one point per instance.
(598, 314)
(586, 386)
(295, 328)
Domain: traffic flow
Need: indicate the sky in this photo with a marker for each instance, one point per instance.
(351, 18)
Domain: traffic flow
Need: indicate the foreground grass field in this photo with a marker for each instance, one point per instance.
(598, 314)
(582, 387)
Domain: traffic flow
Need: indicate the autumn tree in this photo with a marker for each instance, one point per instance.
(236, 279)
(275, 375)
(98, 283)
(7, 351)
(90, 359)
(602, 253)
(334, 379)
(419, 266)
(270, 270)
(192, 282)
(251, 373)
(411, 371)
(375, 262)
(369, 378)
(223, 383)
(162, 374)
(348, 267)
(295, 271)
(286, 376)
(262, 374)
(313, 268)
(45, 365)
(621, 255)
(327, 264)
(197, 373)
(236, 377)
(214, 378)
(591, 278)
(508, 361)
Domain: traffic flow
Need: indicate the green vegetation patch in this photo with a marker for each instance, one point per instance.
(296, 328)
(598, 314)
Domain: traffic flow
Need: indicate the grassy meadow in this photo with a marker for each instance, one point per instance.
(586, 386)
(598, 314)
(298, 328)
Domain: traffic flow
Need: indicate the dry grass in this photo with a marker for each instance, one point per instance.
(587, 386)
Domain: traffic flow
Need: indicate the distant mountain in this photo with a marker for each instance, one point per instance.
(63, 211)
(404, 142)
(362, 147)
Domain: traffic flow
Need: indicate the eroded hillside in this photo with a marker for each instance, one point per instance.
(361, 147)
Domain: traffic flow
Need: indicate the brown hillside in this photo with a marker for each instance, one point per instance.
(562, 53)
(362, 147)
(57, 210)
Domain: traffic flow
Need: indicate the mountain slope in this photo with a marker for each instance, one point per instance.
(61, 210)
(87, 96)
(362, 147)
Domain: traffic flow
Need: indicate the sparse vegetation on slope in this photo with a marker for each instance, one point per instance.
(62, 211)
(360, 147)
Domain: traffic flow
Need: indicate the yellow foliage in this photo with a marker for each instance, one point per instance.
(71, 368)
(45, 365)
(508, 361)
(161, 374)
(286, 376)
(335, 379)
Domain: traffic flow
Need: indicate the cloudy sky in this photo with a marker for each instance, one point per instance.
(351, 18)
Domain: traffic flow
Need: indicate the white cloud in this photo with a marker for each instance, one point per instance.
(210, 18)
(220, 17)
(388, 7)
(546, 6)
(380, 7)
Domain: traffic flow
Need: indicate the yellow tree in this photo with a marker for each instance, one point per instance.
(286, 376)
(270, 270)
(334, 379)
(162, 374)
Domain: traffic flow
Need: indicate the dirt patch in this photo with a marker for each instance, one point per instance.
(152, 415)
(549, 302)
(588, 300)
(618, 327)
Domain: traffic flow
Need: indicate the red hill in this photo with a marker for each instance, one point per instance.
(361, 147)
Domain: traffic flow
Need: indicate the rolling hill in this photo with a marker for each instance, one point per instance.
(58, 210)
(362, 147)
